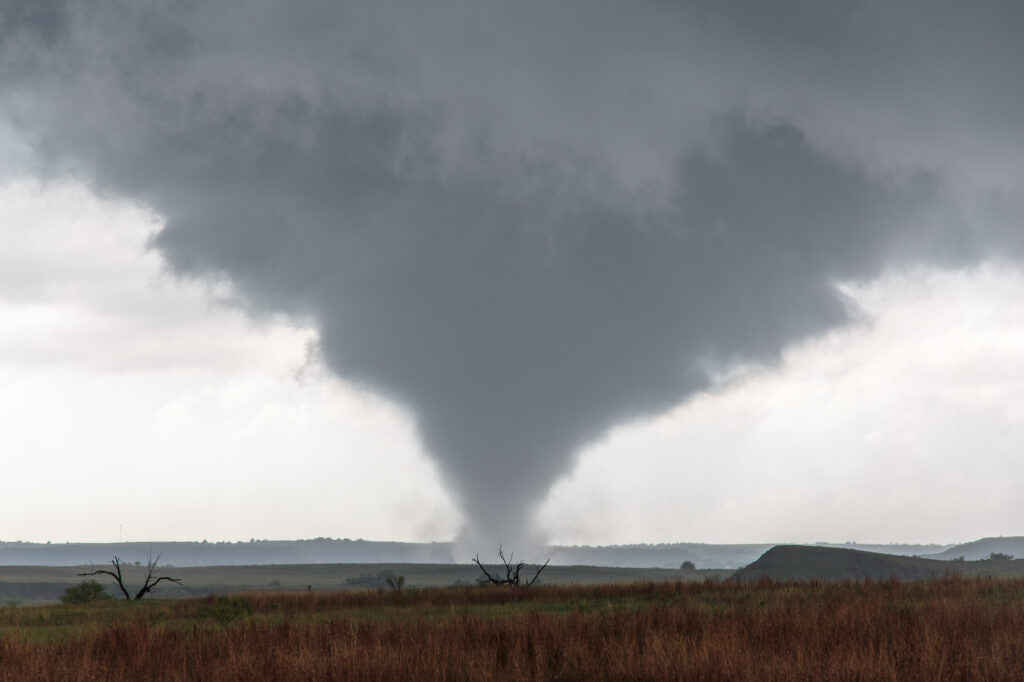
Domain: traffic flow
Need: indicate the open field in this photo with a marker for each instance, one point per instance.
(39, 584)
(949, 628)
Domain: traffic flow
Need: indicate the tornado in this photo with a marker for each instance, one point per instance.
(528, 223)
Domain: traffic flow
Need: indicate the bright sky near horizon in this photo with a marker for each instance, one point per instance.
(134, 402)
(585, 272)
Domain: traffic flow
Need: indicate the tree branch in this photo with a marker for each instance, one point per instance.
(147, 586)
(489, 577)
(116, 576)
(513, 571)
(537, 574)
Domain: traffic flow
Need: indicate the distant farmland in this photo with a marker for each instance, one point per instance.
(949, 628)
(38, 584)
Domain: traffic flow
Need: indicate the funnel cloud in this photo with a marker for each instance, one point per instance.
(529, 223)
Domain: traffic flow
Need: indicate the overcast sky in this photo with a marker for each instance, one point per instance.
(586, 272)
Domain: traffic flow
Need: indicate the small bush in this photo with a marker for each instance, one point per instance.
(688, 566)
(85, 592)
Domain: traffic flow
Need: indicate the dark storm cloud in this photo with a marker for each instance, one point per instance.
(528, 223)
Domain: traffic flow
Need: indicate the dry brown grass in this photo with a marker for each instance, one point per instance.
(941, 629)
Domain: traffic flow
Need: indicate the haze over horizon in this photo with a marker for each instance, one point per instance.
(587, 273)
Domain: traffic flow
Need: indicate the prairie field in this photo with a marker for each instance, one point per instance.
(946, 628)
(42, 584)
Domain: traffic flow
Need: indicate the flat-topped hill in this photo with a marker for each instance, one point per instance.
(798, 562)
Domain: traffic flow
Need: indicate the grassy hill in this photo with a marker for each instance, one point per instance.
(797, 562)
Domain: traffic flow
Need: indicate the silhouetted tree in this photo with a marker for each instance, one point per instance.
(147, 586)
(512, 571)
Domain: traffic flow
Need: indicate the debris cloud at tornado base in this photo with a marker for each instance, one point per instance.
(527, 225)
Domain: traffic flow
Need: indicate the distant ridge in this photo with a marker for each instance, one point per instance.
(334, 551)
(253, 553)
(798, 562)
(981, 549)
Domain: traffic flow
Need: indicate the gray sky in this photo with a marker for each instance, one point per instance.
(600, 272)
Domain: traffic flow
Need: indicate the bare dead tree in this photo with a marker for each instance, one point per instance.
(150, 582)
(513, 570)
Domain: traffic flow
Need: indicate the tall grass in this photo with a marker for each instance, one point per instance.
(941, 629)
